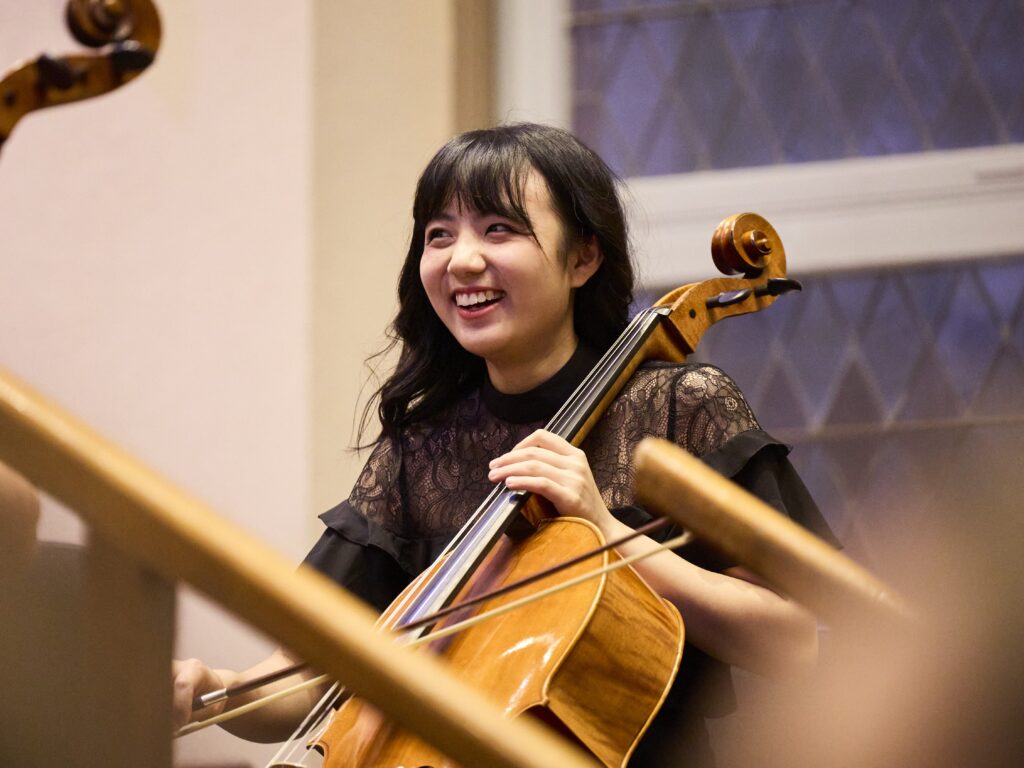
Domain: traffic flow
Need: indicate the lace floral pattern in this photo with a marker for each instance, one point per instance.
(428, 485)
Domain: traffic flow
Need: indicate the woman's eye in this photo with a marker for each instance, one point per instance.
(435, 233)
(500, 227)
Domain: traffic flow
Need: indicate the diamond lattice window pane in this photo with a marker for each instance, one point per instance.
(885, 380)
(671, 87)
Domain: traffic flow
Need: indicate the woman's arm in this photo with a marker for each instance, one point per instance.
(272, 723)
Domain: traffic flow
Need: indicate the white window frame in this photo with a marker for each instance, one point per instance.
(833, 215)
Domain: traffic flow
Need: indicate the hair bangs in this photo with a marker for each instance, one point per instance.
(475, 174)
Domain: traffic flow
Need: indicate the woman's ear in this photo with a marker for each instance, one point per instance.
(585, 260)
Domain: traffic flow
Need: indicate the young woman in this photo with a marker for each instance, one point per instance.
(517, 278)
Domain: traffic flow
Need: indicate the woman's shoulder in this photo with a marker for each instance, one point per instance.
(695, 404)
(689, 381)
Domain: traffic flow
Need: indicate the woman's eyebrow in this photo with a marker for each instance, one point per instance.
(442, 216)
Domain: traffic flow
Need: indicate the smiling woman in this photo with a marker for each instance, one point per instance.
(551, 196)
(516, 280)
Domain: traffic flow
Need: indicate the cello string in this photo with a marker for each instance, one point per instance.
(455, 565)
(317, 716)
(318, 720)
(321, 725)
(527, 580)
(438, 589)
(452, 629)
(584, 394)
(314, 718)
(608, 367)
(522, 602)
(558, 422)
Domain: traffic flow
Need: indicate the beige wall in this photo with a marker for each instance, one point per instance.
(393, 82)
(198, 264)
(154, 255)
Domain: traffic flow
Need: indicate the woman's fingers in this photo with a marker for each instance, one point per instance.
(565, 499)
(531, 454)
(549, 466)
(541, 438)
(184, 681)
(189, 679)
(540, 462)
(544, 446)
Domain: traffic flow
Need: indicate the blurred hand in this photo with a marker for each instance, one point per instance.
(191, 678)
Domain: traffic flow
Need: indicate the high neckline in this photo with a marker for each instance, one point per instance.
(541, 402)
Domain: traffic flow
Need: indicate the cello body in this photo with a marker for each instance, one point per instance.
(594, 661)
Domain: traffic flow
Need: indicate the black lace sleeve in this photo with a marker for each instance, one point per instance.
(368, 515)
(700, 408)
(357, 549)
(695, 406)
(706, 408)
(412, 496)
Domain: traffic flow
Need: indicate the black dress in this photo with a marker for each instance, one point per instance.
(413, 496)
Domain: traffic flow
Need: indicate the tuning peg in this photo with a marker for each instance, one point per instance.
(130, 57)
(727, 299)
(55, 73)
(776, 286)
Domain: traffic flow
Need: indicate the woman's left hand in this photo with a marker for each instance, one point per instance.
(549, 466)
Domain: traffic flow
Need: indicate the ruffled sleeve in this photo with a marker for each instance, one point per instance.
(760, 464)
(363, 547)
(367, 572)
(708, 415)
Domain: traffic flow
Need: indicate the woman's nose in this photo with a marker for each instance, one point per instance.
(467, 256)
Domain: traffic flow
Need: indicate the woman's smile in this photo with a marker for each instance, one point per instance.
(475, 302)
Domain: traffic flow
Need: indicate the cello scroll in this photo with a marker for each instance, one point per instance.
(744, 244)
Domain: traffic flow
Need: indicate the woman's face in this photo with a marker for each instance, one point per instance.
(505, 295)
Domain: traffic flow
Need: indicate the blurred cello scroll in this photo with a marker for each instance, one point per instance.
(672, 482)
(126, 34)
(152, 533)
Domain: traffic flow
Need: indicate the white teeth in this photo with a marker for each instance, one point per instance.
(477, 297)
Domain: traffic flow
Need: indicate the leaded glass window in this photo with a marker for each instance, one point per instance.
(663, 87)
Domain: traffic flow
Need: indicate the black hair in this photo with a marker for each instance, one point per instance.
(486, 171)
